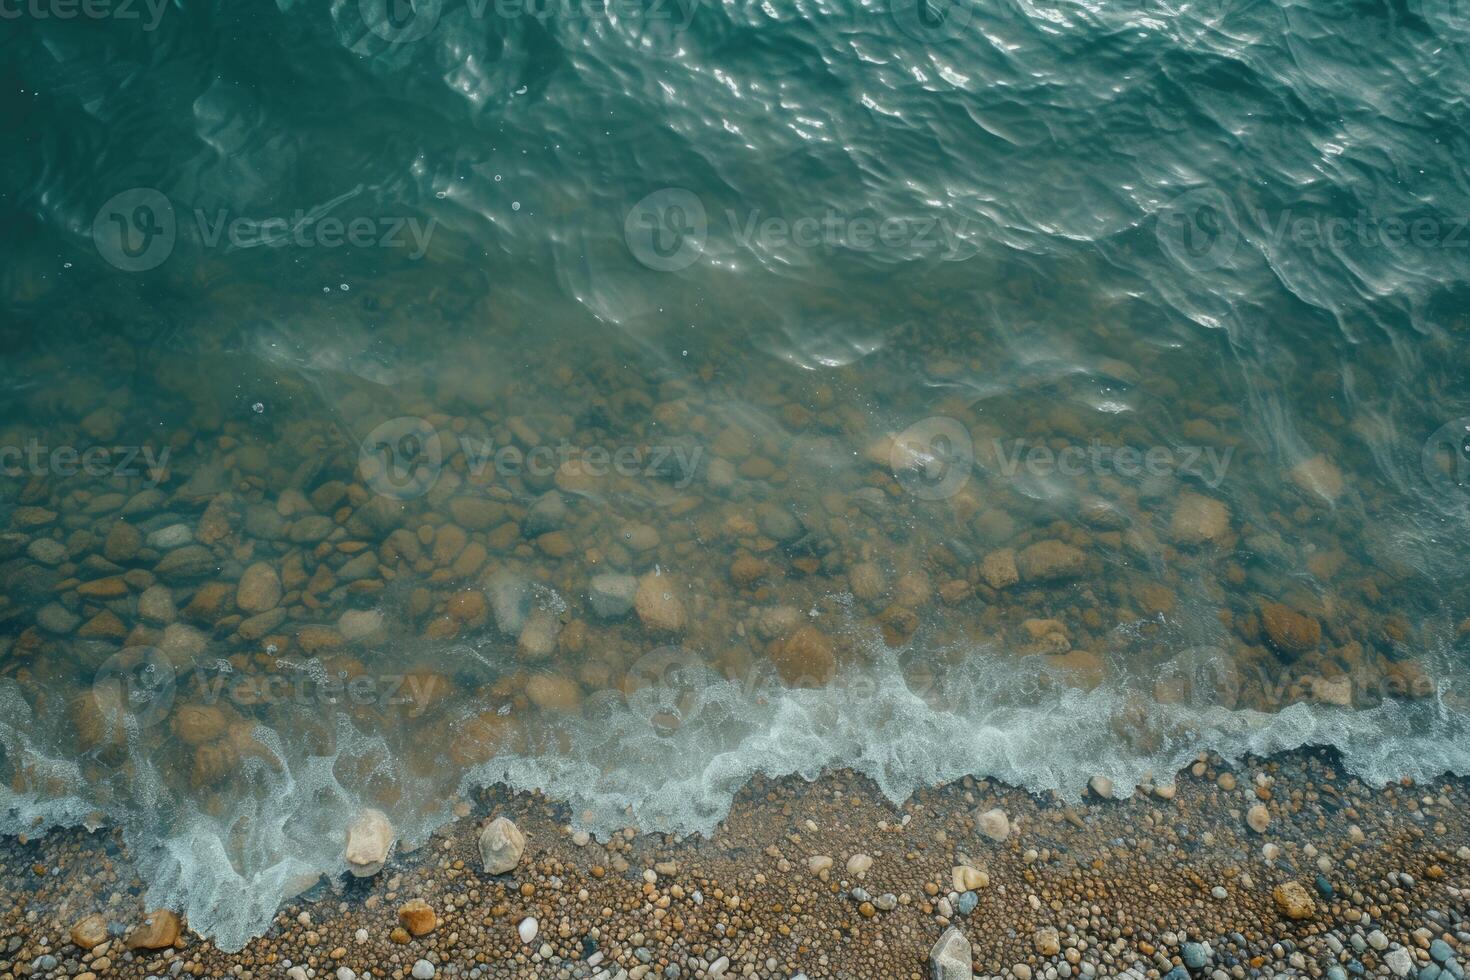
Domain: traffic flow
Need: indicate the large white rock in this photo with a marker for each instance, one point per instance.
(501, 846)
(369, 839)
(950, 957)
(994, 824)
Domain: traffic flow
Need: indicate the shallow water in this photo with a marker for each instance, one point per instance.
(1038, 390)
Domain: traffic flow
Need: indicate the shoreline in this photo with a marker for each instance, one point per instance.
(828, 879)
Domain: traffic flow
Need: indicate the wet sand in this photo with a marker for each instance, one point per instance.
(1328, 877)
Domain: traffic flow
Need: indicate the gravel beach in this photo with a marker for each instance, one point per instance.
(1278, 867)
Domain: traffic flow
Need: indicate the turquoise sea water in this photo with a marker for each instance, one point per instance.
(622, 399)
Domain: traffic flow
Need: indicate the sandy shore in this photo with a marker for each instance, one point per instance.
(1326, 877)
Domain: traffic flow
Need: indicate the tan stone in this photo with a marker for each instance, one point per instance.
(1050, 561)
(1047, 636)
(418, 917)
(501, 846)
(369, 839)
(999, 569)
(994, 824)
(1288, 630)
(158, 931)
(89, 932)
(968, 879)
(746, 570)
(208, 604)
(122, 543)
(105, 625)
(1293, 900)
(555, 544)
(805, 659)
(867, 581)
(259, 589)
(198, 723)
(467, 606)
(553, 693)
(1198, 520)
(104, 588)
(1319, 477)
(657, 603)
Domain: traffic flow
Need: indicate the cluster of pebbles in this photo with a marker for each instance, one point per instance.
(760, 524)
(771, 521)
(1283, 867)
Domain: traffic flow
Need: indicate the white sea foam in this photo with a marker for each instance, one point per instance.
(989, 716)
